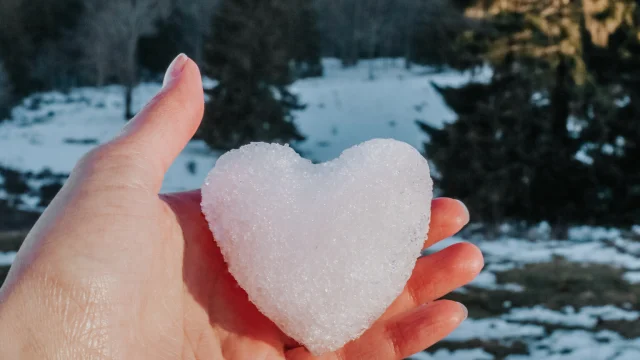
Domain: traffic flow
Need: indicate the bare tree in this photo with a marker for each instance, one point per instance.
(113, 31)
(406, 18)
(341, 22)
(377, 27)
(199, 13)
(97, 41)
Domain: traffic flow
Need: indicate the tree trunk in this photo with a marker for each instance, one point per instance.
(198, 51)
(128, 97)
(408, 53)
(131, 74)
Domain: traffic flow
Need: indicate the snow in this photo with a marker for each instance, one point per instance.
(344, 108)
(586, 317)
(592, 249)
(487, 280)
(566, 334)
(6, 258)
(580, 345)
(492, 329)
(53, 130)
(444, 354)
(590, 233)
(632, 277)
(57, 134)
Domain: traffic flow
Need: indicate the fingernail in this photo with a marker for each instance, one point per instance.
(175, 69)
(466, 210)
(465, 310)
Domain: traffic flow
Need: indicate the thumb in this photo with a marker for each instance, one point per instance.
(161, 130)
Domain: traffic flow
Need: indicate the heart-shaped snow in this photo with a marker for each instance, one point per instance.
(322, 250)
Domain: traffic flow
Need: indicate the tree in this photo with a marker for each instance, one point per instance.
(249, 53)
(198, 24)
(5, 93)
(304, 39)
(553, 135)
(112, 31)
(15, 185)
(430, 37)
(25, 42)
(506, 156)
(341, 23)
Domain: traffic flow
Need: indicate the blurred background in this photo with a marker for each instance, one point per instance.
(526, 109)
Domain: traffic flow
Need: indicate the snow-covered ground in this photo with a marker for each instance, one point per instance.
(568, 333)
(7, 258)
(53, 130)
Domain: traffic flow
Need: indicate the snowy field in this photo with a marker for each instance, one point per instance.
(344, 108)
(537, 298)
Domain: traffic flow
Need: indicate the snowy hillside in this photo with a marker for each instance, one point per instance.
(537, 298)
(53, 130)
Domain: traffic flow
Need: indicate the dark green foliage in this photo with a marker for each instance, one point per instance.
(159, 49)
(250, 53)
(31, 31)
(504, 156)
(6, 93)
(557, 95)
(47, 192)
(14, 182)
(433, 36)
(304, 39)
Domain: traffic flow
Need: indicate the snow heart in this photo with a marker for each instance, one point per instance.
(322, 250)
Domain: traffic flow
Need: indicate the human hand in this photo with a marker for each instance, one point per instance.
(112, 270)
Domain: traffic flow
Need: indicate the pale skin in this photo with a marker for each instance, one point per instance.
(112, 270)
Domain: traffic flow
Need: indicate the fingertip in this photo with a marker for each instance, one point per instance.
(470, 256)
(424, 326)
(464, 216)
(451, 312)
(448, 216)
(194, 79)
(187, 90)
(161, 130)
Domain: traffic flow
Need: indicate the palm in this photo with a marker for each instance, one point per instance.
(220, 321)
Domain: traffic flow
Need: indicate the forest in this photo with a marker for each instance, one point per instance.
(552, 136)
(526, 110)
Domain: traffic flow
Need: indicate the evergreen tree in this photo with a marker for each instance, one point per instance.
(250, 55)
(304, 39)
(502, 155)
(553, 135)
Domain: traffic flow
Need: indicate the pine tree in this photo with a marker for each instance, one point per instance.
(501, 156)
(250, 55)
(554, 134)
(304, 39)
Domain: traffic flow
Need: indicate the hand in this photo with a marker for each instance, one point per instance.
(112, 270)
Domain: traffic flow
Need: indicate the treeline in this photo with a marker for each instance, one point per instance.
(65, 43)
(555, 134)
